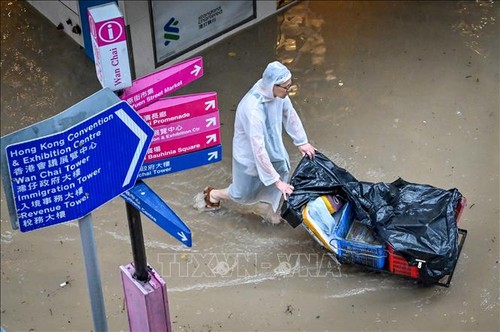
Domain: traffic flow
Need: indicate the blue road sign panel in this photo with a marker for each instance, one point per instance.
(66, 119)
(181, 163)
(151, 205)
(65, 176)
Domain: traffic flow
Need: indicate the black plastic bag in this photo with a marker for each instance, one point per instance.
(418, 221)
(320, 176)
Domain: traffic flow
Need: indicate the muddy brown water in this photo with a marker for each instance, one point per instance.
(385, 89)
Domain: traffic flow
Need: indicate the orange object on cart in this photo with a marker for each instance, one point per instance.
(398, 264)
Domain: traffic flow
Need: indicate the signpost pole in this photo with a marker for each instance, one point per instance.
(137, 240)
(93, 274)
(145, 291)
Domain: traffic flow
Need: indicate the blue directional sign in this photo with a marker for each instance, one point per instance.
(181, 163)
(67, 175)
(150, 204)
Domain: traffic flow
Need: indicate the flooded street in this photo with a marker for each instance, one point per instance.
(384, 89)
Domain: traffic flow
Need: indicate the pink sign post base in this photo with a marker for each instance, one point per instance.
(147, 302)
(186, 135)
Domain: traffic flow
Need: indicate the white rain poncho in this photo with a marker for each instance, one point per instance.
(259, 155)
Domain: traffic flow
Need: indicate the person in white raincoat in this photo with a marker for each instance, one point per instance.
(261, 165)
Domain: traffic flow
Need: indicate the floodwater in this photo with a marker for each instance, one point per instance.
(385, 89)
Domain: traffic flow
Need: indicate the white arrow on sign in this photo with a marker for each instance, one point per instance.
(183, 236)
(211, 121)
(211, 138)
(210, 104)
(142, 140)
(212, 155)
(196, 70)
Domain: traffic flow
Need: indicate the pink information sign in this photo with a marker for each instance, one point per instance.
(183, 145)
(109, 45)
(184, 128)
(150, 88)
(167, 110)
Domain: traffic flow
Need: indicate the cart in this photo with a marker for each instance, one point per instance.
(378, 256)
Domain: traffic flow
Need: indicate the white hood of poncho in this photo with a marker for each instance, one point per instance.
(274, 74)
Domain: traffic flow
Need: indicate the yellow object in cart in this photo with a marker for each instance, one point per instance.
(319, 219)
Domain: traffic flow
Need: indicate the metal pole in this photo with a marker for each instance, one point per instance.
(93, 274)
(137, 240)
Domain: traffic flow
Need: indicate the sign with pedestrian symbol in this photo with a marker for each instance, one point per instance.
(67, 175)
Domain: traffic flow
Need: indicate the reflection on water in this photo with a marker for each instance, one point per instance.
(473, 26)
(22, 72)
(34, 86)
(299, 36)
(300, 43)
(402, 66)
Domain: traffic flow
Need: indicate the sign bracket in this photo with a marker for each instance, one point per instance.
(137, 240)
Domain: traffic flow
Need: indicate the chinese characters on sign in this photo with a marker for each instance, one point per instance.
(183, 125)
(65, 176)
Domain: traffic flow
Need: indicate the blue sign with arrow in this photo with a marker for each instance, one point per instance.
(150, 204)
(182, 162)
(67, 175)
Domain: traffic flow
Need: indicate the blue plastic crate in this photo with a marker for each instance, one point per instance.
(373, 255)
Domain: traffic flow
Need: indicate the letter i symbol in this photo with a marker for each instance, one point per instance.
(110, 31)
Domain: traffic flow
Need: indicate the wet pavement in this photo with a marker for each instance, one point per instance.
(385, 89)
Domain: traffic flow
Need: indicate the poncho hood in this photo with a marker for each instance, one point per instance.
(274, 74)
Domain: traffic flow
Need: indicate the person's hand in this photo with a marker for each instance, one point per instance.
(307, 149)
(285, 188)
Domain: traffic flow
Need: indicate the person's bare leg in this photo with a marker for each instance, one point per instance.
(272, 216)
(216, 195)
(266, 212)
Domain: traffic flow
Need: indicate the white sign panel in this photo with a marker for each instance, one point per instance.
(180, 26)
(109, 43)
